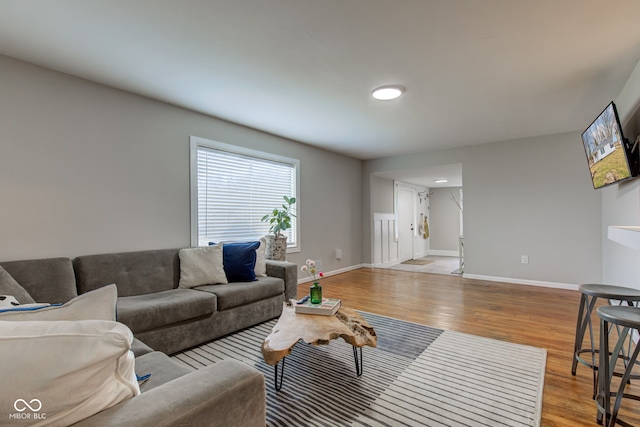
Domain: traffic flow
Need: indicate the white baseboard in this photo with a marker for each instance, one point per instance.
(334, 272)
(437, 252)
(556, 285)
(522, 281)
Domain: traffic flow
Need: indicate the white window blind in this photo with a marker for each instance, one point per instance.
(235, 189)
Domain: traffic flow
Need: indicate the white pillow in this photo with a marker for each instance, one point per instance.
(8, 301)
(65, 370)
(23, 307)
(261, 265)
(99, 304)
(201, 266)
(9, 286)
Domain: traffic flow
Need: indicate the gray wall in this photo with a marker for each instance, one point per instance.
(620, 206)
(621, 202)
(525, 197)
(444, 220)
(89, 169)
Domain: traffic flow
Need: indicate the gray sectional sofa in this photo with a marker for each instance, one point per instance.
(166, 319)
(170, 319)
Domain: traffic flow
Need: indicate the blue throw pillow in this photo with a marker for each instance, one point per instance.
(239, 260)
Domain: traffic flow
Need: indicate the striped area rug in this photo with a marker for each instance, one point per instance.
(416, 376)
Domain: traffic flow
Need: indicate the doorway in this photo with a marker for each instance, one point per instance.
(403, 227)
(405, 213)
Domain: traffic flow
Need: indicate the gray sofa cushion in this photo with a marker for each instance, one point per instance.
(47, 280)
(227, 393)
(161, 368)
(241, 293)
(134, 273)
(144, 312)
(139, 348)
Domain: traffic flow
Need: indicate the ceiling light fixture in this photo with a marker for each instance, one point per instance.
(441, 181)
(386, 93)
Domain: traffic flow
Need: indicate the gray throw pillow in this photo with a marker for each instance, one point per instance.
(9, 286)
(201, 266)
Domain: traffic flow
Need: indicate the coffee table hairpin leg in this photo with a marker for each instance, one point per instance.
(278, 383)
(357, 357)
(359, 364)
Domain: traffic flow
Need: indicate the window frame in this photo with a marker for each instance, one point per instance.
(195, 142)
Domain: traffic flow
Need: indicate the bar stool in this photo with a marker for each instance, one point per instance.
(588, 299)
(628, 318)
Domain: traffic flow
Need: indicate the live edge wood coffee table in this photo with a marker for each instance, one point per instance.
(317, 330)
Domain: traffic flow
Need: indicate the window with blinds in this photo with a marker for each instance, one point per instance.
(232, 188)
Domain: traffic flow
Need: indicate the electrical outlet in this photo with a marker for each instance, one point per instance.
(338, 253)
(525, 259)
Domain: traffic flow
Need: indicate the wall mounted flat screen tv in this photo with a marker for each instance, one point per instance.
(604, 146)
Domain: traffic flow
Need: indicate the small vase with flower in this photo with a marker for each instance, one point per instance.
(315, 292)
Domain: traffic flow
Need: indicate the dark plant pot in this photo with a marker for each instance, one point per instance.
(276, 247)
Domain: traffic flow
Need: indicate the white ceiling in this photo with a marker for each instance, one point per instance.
(475, 71)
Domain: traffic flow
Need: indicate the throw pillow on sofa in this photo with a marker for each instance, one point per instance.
(201, 266)
(9, 286)
(65, 371)
(260, 268)
(261, 264)
(239, 260)
(99, 304)
(8, 301)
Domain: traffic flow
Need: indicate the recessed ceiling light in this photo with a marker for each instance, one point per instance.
(386, 93)
(441, 181)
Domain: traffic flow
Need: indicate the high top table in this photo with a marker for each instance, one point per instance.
(317, 330)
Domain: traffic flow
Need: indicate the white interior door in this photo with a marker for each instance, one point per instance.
(406, 224)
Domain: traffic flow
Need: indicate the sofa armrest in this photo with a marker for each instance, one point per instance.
(288, 272)
(226, 393)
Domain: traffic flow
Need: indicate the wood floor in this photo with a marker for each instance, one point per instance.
(531, 315)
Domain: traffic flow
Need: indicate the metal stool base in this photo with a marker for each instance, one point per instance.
(628, 320)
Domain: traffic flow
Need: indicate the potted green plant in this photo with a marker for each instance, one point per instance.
(279, 220)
